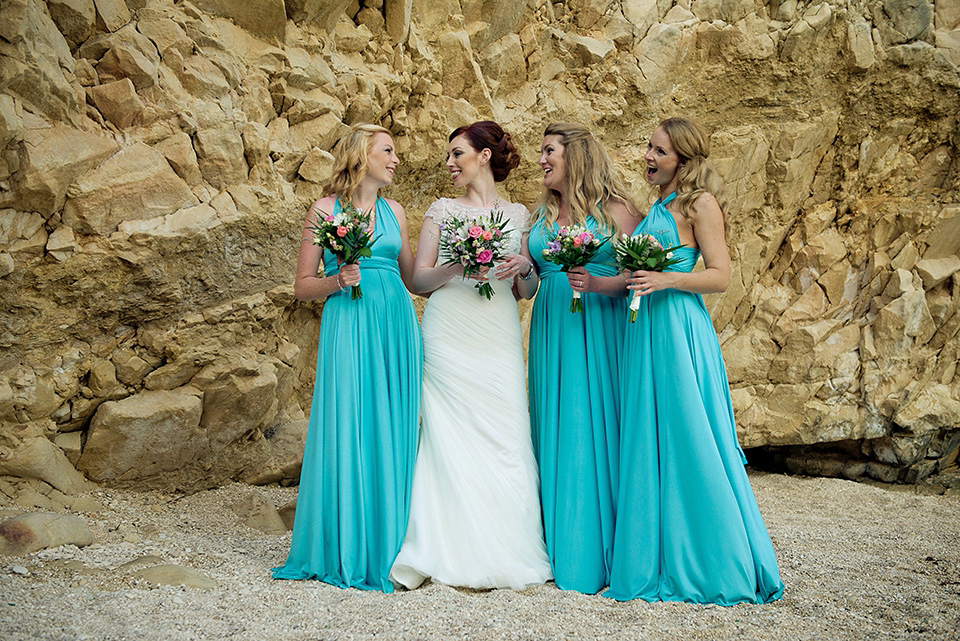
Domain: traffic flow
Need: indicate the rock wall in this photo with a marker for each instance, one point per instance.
(157, 159)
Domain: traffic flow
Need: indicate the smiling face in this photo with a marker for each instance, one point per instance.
(663, 162)
(464, 162)
(381, 160)
(552, 163)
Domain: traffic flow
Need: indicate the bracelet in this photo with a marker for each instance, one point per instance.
(529, 273)
(340, 284)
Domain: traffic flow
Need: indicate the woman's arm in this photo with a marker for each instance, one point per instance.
(707, 222)
(427, 275)
(522, 269)
(405, 259)
(307, 285)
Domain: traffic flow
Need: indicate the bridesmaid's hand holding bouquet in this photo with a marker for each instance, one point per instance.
(476, 243)
(573, 246)
(348, 236)
(643, 252)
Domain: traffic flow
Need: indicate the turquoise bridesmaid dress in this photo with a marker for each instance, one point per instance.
(357, 474)
(574, 364)
(688, 525)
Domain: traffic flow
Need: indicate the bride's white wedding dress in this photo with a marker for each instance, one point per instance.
(475, 510)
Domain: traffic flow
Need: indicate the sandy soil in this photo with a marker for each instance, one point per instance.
(859, 562)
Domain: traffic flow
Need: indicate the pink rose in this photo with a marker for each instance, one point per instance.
(577, 241)
(485, 256)
(475, 232)
(488, 235)
(586, 237)
(341, 231)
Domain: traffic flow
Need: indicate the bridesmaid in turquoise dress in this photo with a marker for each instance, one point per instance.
(357, 474)
(574, 359)
(688, 526)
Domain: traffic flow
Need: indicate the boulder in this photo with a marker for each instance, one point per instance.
(117, 101)
(220, 156)
(288, 513)
(137, 60)
(112, 14)
(265, 18)
(934, 271)
(257, 512)
(180, 231)
(134, 184)
(76, 19)
(31, 532)
(397, 14)
(179, 152)
(902, 21)
(175, 575)
(38, 458)
(53, 158)
(35, 62)
(237, 399)
(316, 166)
(144, 435)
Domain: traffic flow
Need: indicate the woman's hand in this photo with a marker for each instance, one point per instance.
(513, 265)
(349, 275)
(581, 280)
(480, 275)
(644, 282)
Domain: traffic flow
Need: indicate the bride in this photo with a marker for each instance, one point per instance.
(475, 510)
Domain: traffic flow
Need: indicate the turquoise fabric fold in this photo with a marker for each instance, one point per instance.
(355, 484)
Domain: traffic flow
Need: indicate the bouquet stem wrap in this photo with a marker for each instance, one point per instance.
(642, 252)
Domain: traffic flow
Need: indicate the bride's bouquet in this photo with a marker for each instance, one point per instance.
(573, 246)
(644, 252)
(348, 236)
(474, 243)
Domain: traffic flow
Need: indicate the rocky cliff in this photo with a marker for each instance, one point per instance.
(157, 159)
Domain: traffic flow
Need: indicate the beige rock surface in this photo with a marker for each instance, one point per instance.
(158, 157)
(30, 532)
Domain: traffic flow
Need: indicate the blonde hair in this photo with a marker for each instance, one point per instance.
(350, 160)
(592, 179)
(696, 175)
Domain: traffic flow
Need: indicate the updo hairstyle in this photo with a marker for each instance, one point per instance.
(487, 134)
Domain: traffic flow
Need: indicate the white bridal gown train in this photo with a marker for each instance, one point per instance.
(475, 510)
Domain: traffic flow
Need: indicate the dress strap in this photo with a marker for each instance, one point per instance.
(666, 200)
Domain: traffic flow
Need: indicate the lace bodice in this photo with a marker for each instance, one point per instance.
(517, 215)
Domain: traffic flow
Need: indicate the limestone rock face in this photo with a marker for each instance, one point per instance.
(134, 184)
(157, 159)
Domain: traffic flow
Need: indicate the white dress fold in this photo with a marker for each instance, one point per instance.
(475, 510)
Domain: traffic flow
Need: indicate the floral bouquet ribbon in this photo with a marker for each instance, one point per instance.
(348, 236)
(475, 243)
(573, 246)
(645, 252)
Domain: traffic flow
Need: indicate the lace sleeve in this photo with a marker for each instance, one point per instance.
(437, 210)
(525, 222)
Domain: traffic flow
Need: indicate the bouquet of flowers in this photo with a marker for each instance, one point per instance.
(573, 246)
(644, 252)
(348, 236)
(474, 243)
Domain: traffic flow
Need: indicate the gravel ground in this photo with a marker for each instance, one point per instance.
(858, 561)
